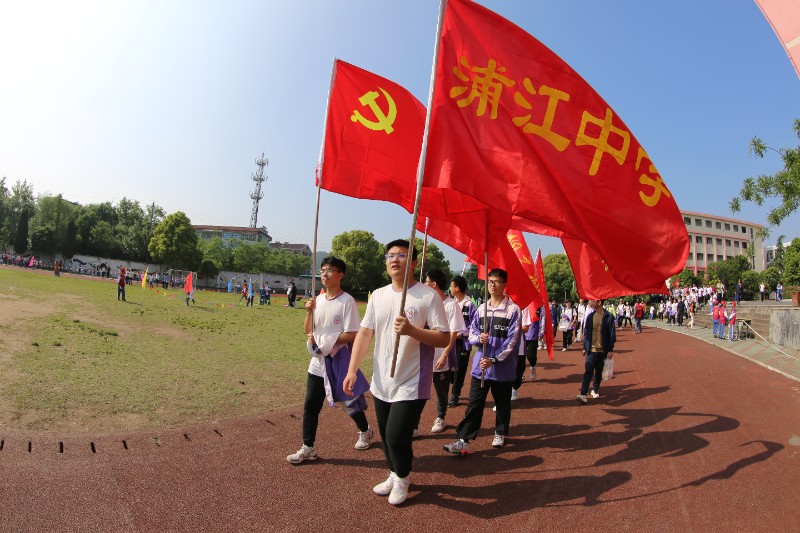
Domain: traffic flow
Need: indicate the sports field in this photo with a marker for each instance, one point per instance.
(73, 358)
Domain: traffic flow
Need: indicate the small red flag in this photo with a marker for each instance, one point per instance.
(187, 287)
(517, 129)
(593, 277)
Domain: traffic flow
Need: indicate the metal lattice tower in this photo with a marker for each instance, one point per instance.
(257, 195)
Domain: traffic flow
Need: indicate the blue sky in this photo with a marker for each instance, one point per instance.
(171, 102)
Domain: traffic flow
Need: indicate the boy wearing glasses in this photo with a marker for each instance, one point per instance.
(496, 359)
(331, 324)
(399, 400)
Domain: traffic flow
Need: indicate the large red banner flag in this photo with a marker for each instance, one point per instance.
(784, 17)
(593, 278)
(517, 129)
(548, 318)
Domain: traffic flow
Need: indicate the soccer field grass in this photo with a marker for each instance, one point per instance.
(74, 358)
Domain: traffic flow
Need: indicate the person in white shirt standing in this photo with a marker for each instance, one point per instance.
(331, 324)
(445, 360)
(399, 399)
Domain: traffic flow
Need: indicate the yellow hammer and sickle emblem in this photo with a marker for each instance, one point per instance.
(385, 120)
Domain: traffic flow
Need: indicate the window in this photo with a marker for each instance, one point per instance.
(727, 242)
(708, 223)
(687, 221)
(719, 258)
(699, 256)
(735, 244)
(727, 227)
(729, 257)
(698, 222)
(735, 227)
(698, 239)
(719, 242)
(719, 225)
(709, 240)
(744, 230)
(691, 256)
(744, 246)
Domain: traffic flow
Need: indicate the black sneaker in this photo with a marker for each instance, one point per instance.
(453, 401)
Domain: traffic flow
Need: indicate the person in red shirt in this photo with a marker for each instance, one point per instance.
(638, 314)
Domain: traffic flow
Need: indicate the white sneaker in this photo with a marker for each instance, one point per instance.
(593, 394)
(533, 373)
(363, 439)
(305, 453)
(563, 349)
(494, 409)
(498, 441)
(582, 398)
(415, 434)
(514, 394)
(459, 447)
(399, 492)
(438, 425)
(383, 489)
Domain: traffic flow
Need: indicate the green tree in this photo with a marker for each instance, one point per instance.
(434, 259)
(364, 257)
(208, 269)
(784, 185)
(70, 245)
(44, 240)
(559, 277)
(5, 236)
(688, 279)
(174, 243)
(131, 230)
(728, 271)
(770, 277)
(214, 250)
(791, 264)
(21, 239)
(20, 201)
(56, 212)
(88, 217)
(251, 257)
(101, 239)
(750, 282)
(780, 251)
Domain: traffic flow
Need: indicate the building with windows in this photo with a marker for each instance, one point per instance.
(771, 252)
(713, 238)
(228, 233)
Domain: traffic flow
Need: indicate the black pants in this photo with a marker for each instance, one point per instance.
(460, 373)
(501, 392)
(396, 424)
(531, 349)
(441, 384)
(566, 338)
(315, 397)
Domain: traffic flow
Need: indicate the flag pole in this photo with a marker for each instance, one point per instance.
(424, 250)
(464, 270)
(485, 303)
(320, 161)
(420, 173)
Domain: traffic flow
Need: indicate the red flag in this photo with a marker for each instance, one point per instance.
(514, 127)
(520, 247)
(594, 279)
(373, 137)
(187, 287)
(548, 318)
(784, 17)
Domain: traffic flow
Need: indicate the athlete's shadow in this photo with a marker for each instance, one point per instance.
(512, 497)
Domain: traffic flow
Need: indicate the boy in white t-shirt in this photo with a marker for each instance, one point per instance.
(399, 400)
(331, 324)
(444, 359)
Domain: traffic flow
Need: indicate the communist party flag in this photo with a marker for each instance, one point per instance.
(593, 278)
(548, 318)
(517, 129)
(373, 137)
(144, 278)
(187, 287)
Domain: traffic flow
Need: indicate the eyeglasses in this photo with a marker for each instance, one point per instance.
(328, 271)
(392, 257)
(496, 282)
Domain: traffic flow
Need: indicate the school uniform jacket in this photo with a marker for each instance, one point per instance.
(504, 328)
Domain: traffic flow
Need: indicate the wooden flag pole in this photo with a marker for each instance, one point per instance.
(485, 307)
(420, 174)
(424, 250)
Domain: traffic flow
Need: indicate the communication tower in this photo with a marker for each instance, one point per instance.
(257, 195)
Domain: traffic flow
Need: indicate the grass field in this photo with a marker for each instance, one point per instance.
(73, 358)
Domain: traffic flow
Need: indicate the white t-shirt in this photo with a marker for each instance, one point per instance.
(455, 320)
(413, 375)
(331, 317)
